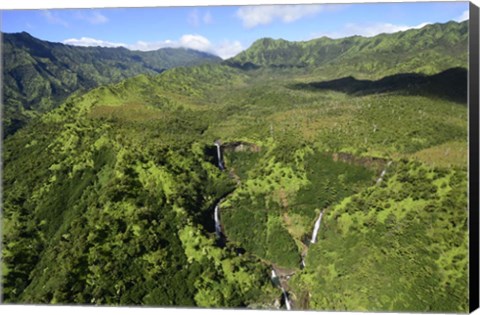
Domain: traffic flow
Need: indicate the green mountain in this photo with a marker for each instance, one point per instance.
(39, 75)
(443, 46)
(112, 197)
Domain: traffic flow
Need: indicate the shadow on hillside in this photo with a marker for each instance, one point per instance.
(450, 84)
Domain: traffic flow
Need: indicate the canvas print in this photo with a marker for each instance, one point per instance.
(283, 157)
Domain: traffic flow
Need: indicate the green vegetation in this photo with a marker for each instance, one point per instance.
(411, 228)
(38, 75)
(109, 198)
(385, 54)
(114, 230)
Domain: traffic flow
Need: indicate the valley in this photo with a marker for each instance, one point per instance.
(207, 185)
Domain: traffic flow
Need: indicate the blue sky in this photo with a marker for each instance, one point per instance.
(226, 30)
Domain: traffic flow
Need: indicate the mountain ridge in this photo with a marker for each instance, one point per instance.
(39, 75)
(30, 37)
(452, 37)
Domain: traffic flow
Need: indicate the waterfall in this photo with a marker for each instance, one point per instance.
(218, 228)
(383, 173)
(219, 156)
(287, 302)
(284, 293)
(316, 228)
(381, 176)
(274, 275)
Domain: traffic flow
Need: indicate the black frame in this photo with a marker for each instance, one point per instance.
(473, 156)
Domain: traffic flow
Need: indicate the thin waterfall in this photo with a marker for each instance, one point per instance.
(219, 156)
(316, 228)
(284, 293)
(381, 176)
(218, 228)
(379, 180)
(274, 275)
(287, 301)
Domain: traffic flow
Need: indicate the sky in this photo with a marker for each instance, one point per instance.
(224, 30)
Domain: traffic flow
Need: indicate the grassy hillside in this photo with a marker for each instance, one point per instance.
(118, 187)
(443, 45)
(39, 75)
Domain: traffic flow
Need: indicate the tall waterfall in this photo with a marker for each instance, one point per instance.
(218, 228)
(219, 156)
(316, 228)
(284, 293)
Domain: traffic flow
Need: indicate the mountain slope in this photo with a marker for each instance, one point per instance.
(112, 197)
(443, 46)
(38, 75)
(118, 187)
(113, 156)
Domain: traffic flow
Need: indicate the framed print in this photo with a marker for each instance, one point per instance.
(266, 156)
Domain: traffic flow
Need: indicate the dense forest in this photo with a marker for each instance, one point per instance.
(109, 197)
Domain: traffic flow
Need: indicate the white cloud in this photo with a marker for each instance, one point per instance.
(87, 41)
(93, 17)
(369, 30)
(465, 16)
(195, 18)
(253, 16)
(228, 49)
(225, 49)
(194, 42)
(53, 18)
